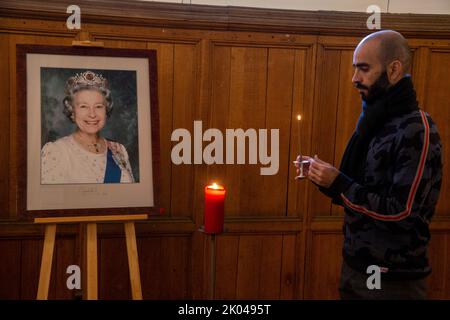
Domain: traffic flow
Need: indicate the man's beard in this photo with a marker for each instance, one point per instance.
(376, 90)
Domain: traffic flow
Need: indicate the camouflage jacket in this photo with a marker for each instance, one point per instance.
(387, 216)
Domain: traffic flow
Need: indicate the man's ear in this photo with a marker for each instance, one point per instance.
(395, 71)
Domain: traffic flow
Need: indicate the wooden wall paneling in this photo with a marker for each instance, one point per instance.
(300, 259)
(165, 60)
(15, 229)
(118, 43)
(147, 34)
(436, 103)
(323, 267)
(113, 276)
(172, 15)
(348, 101)
(304, 67)
(248, 85)
(49, 37)
(10, 269)
(165, 266)
(227, 256)
(279, 104)
(340, 42)
(263, 225)
(446, 275)
(202, 100)
(209, 265)
(39, 26)
(184, 114)
(324, 120)
(4, 124)
(175, 259)
(65, 256)
(151, 267)
(348, 111)
(305, 284)
(290, 266)
(248, 272)
(197, 268)
(413, 51)
(271, 262)
(30, 264)
(419, 66)
(418, 73)
(438, 285)
(219, 114)
(259, 267)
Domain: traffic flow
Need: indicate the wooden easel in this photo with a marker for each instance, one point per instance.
(84, 39)
(91, 252)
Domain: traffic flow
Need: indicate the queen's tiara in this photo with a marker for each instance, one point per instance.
(87, 79)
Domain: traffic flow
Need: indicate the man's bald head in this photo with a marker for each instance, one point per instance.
(391, 46)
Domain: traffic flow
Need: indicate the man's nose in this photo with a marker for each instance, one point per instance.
(356, 78)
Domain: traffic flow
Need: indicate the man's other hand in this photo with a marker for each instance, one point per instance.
(321, 172)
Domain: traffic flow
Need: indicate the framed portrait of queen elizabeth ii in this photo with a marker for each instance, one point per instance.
(87, 131)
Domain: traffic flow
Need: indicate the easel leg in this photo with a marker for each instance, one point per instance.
(91, 248)
(46, 263)
(133, 262)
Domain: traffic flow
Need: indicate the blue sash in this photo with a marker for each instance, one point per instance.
(112, 172)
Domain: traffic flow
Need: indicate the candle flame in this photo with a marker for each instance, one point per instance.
(215, 186)
(299, 117)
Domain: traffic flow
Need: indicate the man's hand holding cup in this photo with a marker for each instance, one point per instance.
(316, 170)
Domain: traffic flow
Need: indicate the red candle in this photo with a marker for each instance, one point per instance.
(214, 204)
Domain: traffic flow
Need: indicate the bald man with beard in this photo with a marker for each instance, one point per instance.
(389, 178)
